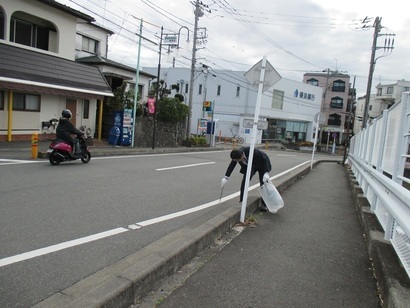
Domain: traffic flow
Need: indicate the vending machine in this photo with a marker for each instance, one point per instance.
(124, 121)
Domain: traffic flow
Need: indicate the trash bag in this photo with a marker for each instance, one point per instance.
(271, 196)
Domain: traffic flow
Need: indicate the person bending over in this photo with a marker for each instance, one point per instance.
(260, 163)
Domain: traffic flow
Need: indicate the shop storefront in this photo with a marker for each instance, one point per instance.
(292, 131)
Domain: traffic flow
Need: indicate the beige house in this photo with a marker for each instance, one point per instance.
(336, 104)
(51, 58)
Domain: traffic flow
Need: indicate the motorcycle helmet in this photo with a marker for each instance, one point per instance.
(66, 114)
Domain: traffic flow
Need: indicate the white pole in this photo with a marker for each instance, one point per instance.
(314, 144)
(254, 130)
(136, 87)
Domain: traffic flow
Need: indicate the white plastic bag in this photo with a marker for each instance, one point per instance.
(271, 196)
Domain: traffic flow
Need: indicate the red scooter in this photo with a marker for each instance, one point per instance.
(60, 151)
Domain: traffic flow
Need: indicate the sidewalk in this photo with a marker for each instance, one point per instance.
(310, 254)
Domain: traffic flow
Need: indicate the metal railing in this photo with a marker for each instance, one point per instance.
(379, 159)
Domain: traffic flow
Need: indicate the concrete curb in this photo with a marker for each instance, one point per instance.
(393, 282)
(132, 278)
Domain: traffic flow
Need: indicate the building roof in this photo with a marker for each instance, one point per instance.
(25, 70)
(325, 74)
(97, 60)
(67, 9)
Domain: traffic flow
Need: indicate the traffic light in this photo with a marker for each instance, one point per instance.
(207, 106)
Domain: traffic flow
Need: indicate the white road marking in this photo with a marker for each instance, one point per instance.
(185, 166)
(154, 155)
(6, 162)
(18, 161)
(188, 211)
(61, 246)
(54, 248)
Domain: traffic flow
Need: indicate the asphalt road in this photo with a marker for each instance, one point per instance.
(59, 224)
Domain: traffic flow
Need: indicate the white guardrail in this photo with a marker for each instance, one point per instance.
(379, 159)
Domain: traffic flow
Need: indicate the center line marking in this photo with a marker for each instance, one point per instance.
(185, 166)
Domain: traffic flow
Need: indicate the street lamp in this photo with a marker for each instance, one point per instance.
(170, 40)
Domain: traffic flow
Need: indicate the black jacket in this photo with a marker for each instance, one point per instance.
(260, 162)
(64, 130)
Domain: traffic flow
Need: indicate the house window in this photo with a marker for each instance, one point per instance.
(2, 34)
(379, 92)
(334, 119)
(238, 91)
(1, 100)
(277, 99)
(218, 91)
(86, 111)
(186, 88)
(389, 90)
(200, 89)
(140, 91)
(29, 34)
(338, 86)
(313, 82)
(89, 45)
(26, 102)
(406, 89)
(336, 102)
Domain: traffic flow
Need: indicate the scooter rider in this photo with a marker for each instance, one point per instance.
(65, 128)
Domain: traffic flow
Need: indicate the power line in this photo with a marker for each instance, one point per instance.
(232, 11)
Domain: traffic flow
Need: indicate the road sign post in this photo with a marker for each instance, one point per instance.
(261, 83)
(319, 119)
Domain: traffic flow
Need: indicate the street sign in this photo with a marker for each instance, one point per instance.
(170, 39)
(271, 76)
(320, 117)
(248, 123)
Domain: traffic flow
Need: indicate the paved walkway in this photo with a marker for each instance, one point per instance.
(310, 254)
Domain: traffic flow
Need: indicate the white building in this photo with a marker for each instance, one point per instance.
(384, 98)
(289, 106)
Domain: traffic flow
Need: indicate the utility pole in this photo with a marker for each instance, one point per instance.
(349, 125)
(387, 50)
(377, 28)
(136, 86)
(197, 12)
(324, 108)
(157, 92)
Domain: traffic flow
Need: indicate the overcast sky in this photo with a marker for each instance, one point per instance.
(296, 36)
